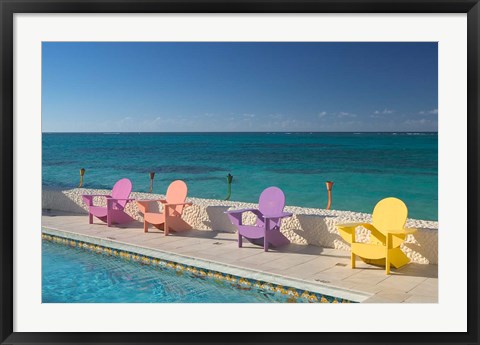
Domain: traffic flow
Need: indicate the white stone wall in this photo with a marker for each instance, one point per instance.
(307, 226)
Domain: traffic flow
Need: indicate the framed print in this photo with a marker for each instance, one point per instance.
(271, 172)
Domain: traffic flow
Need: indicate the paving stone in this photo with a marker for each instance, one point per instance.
(412, 283)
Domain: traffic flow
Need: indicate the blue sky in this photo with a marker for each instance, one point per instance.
(201, 87)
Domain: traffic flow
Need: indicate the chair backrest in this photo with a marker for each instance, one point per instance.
(176, 193)
(271, 201)
(122, 190)
(389, 214)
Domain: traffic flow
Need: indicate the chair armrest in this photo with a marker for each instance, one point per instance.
(111, 201)
(178, 204)
(88, 198)
(144, 205)
(236, 215)
(147, 200)
(350, 225)
(347, 230)
(243, 210)
(346, 226)
(279, 215)
(92, 195)
(404, 231)
(410, 230)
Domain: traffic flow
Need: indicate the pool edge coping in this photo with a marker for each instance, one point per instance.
(330, 290)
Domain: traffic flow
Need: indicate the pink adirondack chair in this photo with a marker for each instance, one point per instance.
(173, 206)
(269, 217)
(114, 212)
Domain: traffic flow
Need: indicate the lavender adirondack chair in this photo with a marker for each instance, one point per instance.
(116, 202)
(269, 217)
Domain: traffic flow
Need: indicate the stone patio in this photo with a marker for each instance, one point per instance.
(309, 267)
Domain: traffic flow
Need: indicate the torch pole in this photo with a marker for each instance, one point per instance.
(229, 187)
(329, 185)
(82, 172)
(152, 176)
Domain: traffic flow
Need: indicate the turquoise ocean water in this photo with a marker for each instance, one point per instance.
(365, 167)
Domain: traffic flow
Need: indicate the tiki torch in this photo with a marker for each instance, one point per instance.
(152, 176)
(229, 188)
(329, 185)
(82, 172)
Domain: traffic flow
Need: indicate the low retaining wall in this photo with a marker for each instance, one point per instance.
(307, 226)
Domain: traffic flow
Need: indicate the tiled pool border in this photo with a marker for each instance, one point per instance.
(239, 278)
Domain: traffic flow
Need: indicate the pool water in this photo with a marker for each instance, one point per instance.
(75, 275)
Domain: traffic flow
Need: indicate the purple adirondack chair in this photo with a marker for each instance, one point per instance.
(115, 210)
(269, 217)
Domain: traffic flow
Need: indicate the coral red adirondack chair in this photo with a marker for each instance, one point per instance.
(173, 206)
(269, 217)
(114, 212)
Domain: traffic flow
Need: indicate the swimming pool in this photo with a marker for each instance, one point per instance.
(74, 272)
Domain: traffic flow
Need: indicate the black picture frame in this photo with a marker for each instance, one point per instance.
(10, 7)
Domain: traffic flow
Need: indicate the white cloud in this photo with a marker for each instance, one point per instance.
(275, 116)
(343, 114)
(124, 124)
(384, 112)
(125, 119)
(423, 124)
(415, 122)
(340, 115)
(428, 112)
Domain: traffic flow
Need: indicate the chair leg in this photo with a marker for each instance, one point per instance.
(352, 255)
(109, 219)
(387, 255)
(90, 218)
(387, 264)
(239, 240)
(166, 211)
(265, 240)
(145, 226)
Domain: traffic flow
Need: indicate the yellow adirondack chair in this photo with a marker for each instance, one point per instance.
(388, 232)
